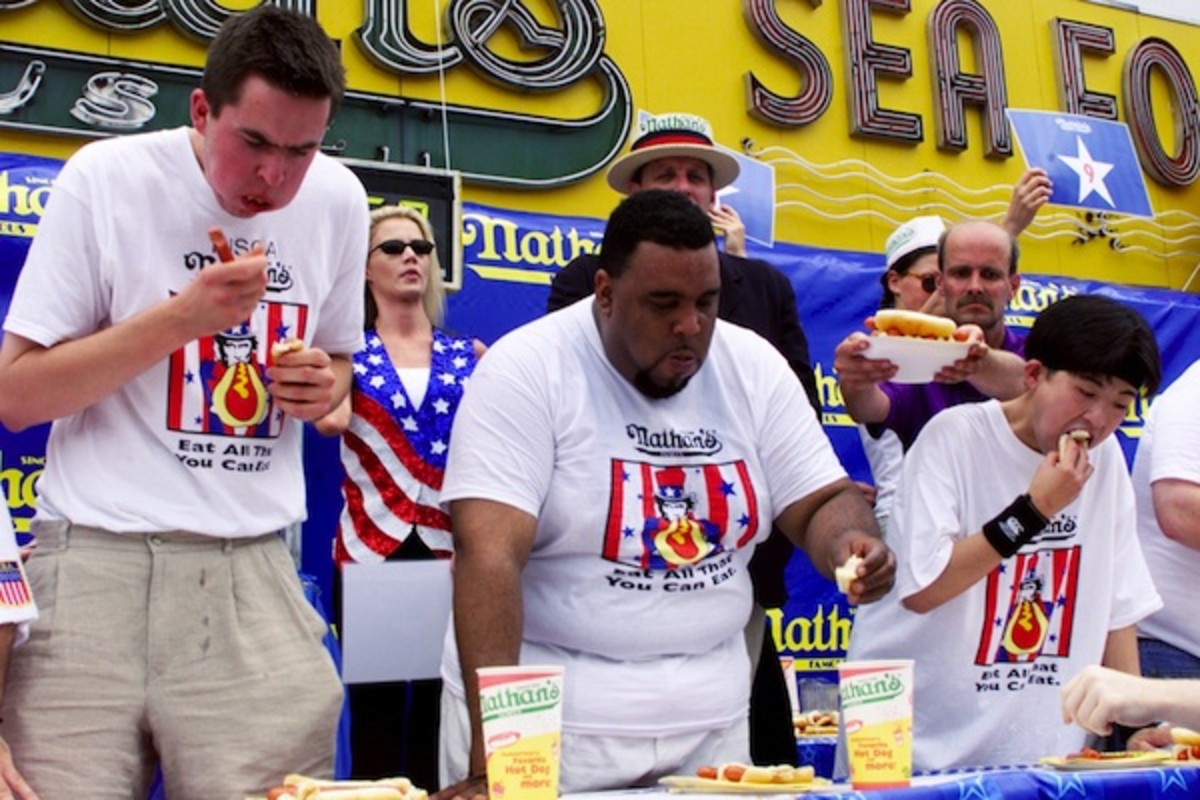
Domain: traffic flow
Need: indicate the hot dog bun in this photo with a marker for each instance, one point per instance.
(779, 773)
(847, 573)
(898, 322)
(301, 787)
(1080, 436)
(1185, 736)
(285, 346)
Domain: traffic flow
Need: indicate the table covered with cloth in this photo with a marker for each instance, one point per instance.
(1167, 781)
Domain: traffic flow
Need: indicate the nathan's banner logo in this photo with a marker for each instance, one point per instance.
(43, 89)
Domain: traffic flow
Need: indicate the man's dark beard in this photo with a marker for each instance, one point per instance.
(642, 382)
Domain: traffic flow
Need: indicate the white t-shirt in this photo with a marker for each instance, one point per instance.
(644, 608)
(16, 600)
(991, 662)
(1170, 448)
(194, 442)
(885, 456)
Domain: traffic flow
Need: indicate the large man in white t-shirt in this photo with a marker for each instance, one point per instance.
(578, 432)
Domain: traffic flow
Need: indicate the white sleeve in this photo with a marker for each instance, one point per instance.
(339, 329)
(797, 456)
(1134, 594)
(60, 292)
(502, 443)
(927, 515)
(1176, 451)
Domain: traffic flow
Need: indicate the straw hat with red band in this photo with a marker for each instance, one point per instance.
(673, 135)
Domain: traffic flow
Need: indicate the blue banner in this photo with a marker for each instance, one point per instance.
(509, 259)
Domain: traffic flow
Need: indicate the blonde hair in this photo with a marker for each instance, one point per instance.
(434, 299)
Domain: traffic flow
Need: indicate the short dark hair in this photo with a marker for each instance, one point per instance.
(1014, 250)
(654, 215)
(288, 50)
(1096, 337)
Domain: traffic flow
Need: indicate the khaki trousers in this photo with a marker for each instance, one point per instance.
(197, 653)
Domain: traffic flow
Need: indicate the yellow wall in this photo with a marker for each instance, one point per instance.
(833, 190)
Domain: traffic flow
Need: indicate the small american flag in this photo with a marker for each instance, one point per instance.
(14, 591)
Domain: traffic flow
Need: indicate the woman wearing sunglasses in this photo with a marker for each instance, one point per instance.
(909, 284)
(395, 428)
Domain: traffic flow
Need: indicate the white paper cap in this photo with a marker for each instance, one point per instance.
(916, 234)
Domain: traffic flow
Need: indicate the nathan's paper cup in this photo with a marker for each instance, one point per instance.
(877, 711)
(522, 730)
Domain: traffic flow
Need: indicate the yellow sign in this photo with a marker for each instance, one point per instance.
(858, 143)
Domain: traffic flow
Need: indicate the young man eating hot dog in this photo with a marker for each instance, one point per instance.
(178, 635)
(1019, 563)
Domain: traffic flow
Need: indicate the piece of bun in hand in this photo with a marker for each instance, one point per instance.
(285, 346)
(898, 322)
(847, 573)
(1082, 437)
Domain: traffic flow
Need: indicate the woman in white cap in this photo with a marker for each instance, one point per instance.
(910, 284)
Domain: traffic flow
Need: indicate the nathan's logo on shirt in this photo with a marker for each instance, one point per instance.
(670, 442)
(1061, 529)
(678, 517)
(279, 275)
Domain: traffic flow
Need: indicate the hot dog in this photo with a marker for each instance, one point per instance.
(898, 322)
(1082, 437)
(750, 773)
(220, 244)
(300, 787)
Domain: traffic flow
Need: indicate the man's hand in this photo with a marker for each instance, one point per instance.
(472, 788)
(726, 220)
(1098, 697)
(11, 782)
(1059, 480)
(963, 368)
(876, 572)
(1029, 195)
(224, 294)
(856, 371)
(303, 383)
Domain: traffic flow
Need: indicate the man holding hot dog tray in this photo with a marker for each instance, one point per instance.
(179, 365)
(977, 263)
(579, 430)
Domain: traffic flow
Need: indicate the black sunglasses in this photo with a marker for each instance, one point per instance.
(928, 283)
(394, 247)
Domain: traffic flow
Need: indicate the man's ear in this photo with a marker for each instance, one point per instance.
(198, 109)
(604, 290)
(893, 281)
(1034, 372)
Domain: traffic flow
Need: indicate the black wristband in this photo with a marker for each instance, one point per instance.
(1009, 530)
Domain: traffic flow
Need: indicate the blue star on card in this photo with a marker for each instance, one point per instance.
(1092, 162)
